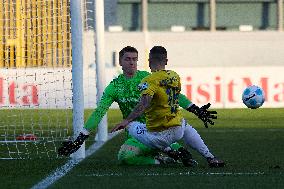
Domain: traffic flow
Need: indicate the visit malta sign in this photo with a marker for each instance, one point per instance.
(221, 86)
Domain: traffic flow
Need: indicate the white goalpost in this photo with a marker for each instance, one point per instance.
(100, 64)
(77, 72)
(46, 81)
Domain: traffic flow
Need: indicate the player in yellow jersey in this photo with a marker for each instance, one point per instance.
(164, 87)
(159, 101)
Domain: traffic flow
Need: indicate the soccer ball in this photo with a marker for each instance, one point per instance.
(253, 97)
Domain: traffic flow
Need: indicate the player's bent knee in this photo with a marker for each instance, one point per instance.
(127, 153)
(125, 158)
(132, 155)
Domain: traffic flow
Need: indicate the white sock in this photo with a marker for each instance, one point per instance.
(193, 139)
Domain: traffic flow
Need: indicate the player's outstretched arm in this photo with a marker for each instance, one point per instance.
(203, 113)
(105, 102)
(139, 109)
(183, 101)
(69, 147)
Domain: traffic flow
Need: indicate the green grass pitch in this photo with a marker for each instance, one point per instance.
(250, 141)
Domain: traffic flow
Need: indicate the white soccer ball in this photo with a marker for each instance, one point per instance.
(253, 97)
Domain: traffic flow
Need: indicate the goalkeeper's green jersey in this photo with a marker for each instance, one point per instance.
(125, 92)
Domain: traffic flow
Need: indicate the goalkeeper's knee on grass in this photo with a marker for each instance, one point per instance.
(138, 154)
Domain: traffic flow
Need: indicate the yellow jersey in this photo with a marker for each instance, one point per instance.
(164, 86)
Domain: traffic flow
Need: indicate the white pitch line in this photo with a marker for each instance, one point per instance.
(172, 174)
(63, 170)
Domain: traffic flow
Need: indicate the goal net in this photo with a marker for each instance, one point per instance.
(36, 77)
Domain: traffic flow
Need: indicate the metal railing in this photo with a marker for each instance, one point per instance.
(35, 33)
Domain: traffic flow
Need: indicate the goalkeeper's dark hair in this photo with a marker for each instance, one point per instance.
(158, 52)
(127, 49)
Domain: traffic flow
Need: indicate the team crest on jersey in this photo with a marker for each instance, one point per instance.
(142, 86)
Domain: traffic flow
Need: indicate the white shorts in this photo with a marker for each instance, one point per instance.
(160, 140)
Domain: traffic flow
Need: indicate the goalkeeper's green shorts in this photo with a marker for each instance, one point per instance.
(132, 152)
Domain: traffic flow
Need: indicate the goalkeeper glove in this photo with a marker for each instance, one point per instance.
(69, 147)
(203, 113)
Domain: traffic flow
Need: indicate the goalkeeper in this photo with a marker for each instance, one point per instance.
(125, 92)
